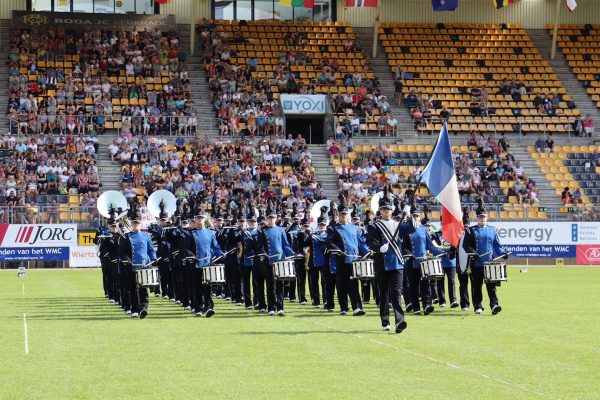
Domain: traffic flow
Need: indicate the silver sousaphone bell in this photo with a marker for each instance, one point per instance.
(162, 201)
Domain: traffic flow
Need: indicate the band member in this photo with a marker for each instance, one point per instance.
(346, 241)
(184, 263)
(297, 240)
(464, 270)
(449, 267)
(383, 238)
(416, 242)
(136, 251)
(161, 234)
(271, 245)
(487, 247)
(318, 261)
(108, 245)
(207, 248)
(365, 286)
(248, 230)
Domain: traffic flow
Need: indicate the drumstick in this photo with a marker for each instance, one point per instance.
(499, 257)
(367, 255)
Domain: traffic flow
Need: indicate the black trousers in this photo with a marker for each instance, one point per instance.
(177, 274)
(264, 276)
(418, 288)
(105, 279)
(124, 278)
(330, 284)
(246, 285)
(197, 296)
(366, 287)
(463, 289)
(390, 291)
(450, 276)
(233, 279)
(477, 283)
(347, 287)
(316, 274)
(300, 279)
(166, 279)
(138, 295)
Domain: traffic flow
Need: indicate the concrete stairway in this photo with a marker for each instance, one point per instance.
(110, 173)
(382, 71)
(200, 91)
(543, 42)
(548, 196)
(326, 174)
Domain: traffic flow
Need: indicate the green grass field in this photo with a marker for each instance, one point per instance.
(545, 344)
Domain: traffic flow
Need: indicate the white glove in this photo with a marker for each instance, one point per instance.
(384, 248)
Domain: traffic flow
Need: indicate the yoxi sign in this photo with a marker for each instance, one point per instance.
(38, 235)
(303, 104)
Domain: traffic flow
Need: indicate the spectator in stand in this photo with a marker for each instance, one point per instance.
(549, 144)
(576, 198)
(588, 126)
(578, 126)
(445, 113)
(540, 145)
(565, 196)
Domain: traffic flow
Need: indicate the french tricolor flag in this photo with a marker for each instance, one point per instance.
(440, 178)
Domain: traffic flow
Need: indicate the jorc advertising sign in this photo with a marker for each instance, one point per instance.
(300, 104)
(38, 235)
(36, 242)
(81, 21)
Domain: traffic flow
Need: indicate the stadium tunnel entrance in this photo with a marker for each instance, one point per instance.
(309, 126)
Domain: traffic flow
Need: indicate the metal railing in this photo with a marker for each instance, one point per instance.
(161, 125)
(85, 216)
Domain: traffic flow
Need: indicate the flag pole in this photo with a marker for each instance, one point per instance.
(555, 34)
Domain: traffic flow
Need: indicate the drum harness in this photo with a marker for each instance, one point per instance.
(391, 239)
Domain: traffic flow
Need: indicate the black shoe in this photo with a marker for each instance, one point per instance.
(209, 313)
(428, 310)
(435, 301)
(143, 313)
(400, 326)
(496, 309)
(409, 307)
(454, 305)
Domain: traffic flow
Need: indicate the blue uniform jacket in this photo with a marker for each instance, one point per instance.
(348, 238)
(137, 246)
(206, 246)
(376, 239)
(486, 240)
(418, 241)
(249, 236)
(318, 249)
(273, 241)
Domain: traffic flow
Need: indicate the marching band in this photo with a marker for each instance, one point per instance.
(198, 257)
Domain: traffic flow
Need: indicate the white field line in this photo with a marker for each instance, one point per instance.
(26, 335)
(435, 360)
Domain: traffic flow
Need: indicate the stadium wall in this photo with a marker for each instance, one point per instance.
(532, 14)
(182, 12)
(7, 6)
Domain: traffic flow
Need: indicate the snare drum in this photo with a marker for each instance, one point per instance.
(147, 277)
(213, 274)
(363, 270)
(284, 270)
(494, 272)
(432, 269)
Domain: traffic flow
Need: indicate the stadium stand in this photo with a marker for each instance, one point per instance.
(490, 78)
(240, 171)
(579, 44)
(96, 80)
(572, 172)
(497, 176)
(254, 61)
